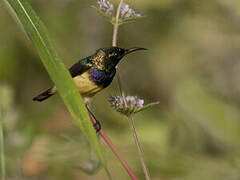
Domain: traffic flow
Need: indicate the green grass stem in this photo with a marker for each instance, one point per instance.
(37, 33)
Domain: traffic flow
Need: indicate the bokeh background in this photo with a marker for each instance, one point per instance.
(192, 68)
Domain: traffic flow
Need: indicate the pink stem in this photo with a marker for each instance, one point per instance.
(114, 150)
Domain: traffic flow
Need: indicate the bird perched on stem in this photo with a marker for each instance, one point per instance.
(93, 73)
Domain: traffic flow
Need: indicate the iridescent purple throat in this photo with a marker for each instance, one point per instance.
(98, 76)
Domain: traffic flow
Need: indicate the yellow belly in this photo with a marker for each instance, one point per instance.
(85, 86)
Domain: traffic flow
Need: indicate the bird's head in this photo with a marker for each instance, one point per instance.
(108, 58)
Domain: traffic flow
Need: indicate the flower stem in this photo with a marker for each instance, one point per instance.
(112, 147)
(120, 88)
(130, 120)
(116, 25)
(139, 148)
(114, 43)
(3, 168)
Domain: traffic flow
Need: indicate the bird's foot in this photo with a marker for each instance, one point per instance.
(97, 126)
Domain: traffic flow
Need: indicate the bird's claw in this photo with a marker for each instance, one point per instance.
(97, 126)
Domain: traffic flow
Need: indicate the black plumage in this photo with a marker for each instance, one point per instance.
(93, 73)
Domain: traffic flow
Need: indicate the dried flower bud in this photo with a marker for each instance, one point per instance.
(134, 101)
(106, 7)
(133, 104)
(116, 101)
(127, 12)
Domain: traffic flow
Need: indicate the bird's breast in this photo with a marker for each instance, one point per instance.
(86, 85)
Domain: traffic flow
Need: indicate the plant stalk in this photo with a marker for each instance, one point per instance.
(112, 147)
(114, 43)
(130, 119)
(116, 25)
(139, 148)
(3, 166)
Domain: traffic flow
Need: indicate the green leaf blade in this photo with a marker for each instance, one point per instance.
(146, 107)
(37, 32)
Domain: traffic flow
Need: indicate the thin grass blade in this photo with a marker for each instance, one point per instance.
(37, 33)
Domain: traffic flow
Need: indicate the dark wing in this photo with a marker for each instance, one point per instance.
(80, 67)
(77, 69)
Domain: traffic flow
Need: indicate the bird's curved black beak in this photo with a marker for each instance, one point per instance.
(130, 50)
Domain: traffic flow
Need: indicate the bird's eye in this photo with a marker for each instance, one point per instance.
(120, 51)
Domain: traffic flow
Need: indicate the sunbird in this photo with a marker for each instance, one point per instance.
(93, 73)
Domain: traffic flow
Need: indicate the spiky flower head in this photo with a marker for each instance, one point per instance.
(133, 104)
(127, 12)
(106, 7)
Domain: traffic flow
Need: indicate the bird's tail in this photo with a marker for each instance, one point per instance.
(46, 94)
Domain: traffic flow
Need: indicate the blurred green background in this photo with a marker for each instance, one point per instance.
(192, 68)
